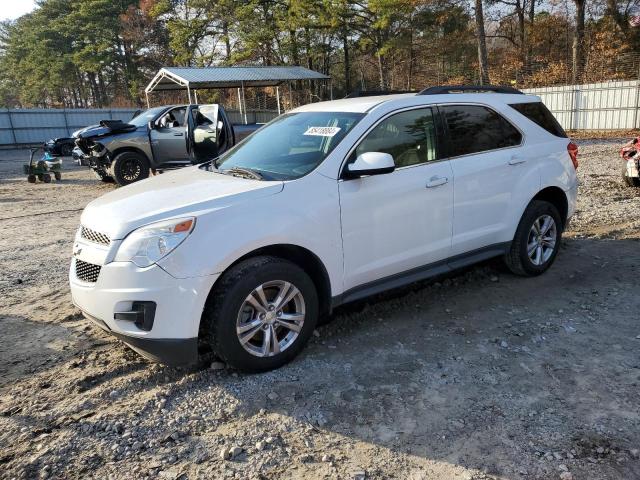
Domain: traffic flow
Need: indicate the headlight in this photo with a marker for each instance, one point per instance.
(148, 244)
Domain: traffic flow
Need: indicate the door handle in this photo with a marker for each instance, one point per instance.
(515, 160)
(436, 181)
(177, 134)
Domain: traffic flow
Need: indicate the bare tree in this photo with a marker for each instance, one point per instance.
(578, 42)
(483, 61)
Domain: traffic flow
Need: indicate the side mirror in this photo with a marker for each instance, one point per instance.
(371, 163)
(151, 125)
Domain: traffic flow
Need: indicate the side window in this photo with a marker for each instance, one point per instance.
(410, 137)
(173, 118)
(538, 113)
(474, 129)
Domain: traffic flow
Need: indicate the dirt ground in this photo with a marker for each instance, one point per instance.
(480, 375)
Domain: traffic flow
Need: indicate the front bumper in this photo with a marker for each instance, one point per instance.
(172, 337)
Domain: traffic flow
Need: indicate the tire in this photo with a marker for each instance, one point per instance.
(31, 178)
(517, 258)
(66, 149)
(227, 308)
(46, 178)
(129, 167)
(58, 176)
(103, 176)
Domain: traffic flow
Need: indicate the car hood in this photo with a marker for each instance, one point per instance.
(95, 131)
(189, 191)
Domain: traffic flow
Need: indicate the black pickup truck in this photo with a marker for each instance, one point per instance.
(157, 139)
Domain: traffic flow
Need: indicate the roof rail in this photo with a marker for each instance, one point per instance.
(469, 89)
(374, 93)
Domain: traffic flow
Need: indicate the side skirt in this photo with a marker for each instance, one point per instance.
(420, 273)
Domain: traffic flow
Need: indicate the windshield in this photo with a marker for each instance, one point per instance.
(146, 116)
(290, 146)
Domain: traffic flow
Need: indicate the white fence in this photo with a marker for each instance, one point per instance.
(594, 106)
(37, 125)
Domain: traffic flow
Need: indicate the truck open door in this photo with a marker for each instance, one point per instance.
(208, 132)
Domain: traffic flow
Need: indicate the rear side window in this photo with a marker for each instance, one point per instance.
(537, 112)
(475, 129)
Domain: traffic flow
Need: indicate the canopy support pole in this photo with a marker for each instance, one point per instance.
(146, 94)
(195, 93)
(290, 97)
(189, 93)
(244, 102)
(278, 98)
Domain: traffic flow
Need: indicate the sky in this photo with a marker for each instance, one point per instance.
(11, 9)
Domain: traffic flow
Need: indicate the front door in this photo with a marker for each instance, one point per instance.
(393, 223)
(168, 137)
(204, 132)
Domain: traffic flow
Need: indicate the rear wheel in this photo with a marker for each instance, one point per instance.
(46, 178)
(537, 240)
(260, 314)
(129, 167)
(31, 178)
(58, 176)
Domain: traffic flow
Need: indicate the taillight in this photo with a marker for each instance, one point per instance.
(572, 148)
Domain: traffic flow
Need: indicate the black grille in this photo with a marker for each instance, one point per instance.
(87, 272)
(93, 236)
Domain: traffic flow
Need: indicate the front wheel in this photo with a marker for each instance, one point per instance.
(260, 314)
(537, 240)
(129, 167)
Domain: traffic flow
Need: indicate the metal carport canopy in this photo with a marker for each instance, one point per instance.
(188, 78)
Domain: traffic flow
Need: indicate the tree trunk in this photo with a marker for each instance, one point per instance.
(578, 43)
(347, 66)
(293, 39)
(483, 62)
(227, 42)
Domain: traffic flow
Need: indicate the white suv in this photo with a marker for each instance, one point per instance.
(327, 204)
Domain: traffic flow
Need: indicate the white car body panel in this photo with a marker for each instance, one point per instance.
(394, 223)
(362, 230)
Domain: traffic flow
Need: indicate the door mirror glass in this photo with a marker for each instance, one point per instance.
(371, 163)
(151, 125)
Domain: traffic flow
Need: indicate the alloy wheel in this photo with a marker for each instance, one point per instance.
(542, 239)
(270, 318)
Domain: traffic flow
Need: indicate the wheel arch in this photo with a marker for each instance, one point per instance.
(558, 198)
(305, 259)
(120, 150)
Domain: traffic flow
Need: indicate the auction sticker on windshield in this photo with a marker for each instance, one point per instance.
(322, 131)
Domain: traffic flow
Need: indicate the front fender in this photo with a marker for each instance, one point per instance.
(222, 237)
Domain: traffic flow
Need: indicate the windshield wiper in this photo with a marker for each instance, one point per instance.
(244, 173)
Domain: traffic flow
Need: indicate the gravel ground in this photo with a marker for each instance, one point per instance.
(480, 375)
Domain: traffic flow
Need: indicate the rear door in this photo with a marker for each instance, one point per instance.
(486, 164)
(393, 223)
